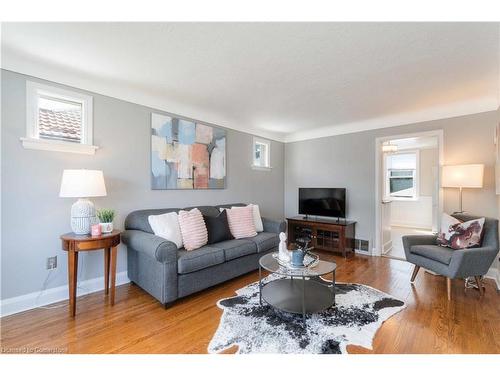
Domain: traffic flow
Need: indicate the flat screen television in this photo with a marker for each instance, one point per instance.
(322, 202)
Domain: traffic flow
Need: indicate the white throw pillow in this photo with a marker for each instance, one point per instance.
(257, 219)
(167, 226)
(460, 235)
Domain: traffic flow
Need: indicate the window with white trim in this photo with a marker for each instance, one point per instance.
(58, 119)
(261, 154)
(402, 175)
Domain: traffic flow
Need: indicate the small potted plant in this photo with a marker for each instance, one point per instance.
(106, 217)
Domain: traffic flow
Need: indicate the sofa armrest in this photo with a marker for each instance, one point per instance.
(472, 262)
(409, 241)
(158, 248)
(273, 226)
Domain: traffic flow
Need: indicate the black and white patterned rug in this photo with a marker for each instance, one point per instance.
(359, 313)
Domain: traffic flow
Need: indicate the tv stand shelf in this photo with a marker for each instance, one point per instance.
(326, 234)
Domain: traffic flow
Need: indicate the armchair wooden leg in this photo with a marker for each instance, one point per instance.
(479, 285)
(414, 274)
(448, 287)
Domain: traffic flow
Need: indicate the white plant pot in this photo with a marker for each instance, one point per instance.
(106, 227)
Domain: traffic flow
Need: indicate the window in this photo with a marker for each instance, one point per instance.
(402, 176)
(58, 120)
(261, 154)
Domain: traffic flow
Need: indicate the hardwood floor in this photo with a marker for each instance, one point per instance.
(137, 323)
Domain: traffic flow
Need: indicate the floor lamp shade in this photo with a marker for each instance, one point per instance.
(82, 184)
(463, 176)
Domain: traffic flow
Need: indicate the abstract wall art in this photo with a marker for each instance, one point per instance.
(186, 154)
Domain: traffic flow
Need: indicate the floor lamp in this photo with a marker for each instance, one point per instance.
(468, 176)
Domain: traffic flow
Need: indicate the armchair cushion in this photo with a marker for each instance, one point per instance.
(438, 253)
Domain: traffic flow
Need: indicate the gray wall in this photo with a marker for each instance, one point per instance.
(348, 161)
(33, 216)
(429, 158)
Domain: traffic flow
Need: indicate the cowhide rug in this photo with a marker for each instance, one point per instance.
(358, 314)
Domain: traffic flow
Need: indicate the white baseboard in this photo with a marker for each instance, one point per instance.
(494, 274)
(29, 301)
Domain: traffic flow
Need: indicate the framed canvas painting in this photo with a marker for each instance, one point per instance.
(186, 154)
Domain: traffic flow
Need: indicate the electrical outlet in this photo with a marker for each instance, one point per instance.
(52, 262)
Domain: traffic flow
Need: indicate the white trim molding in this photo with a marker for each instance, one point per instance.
(37, 299)
(50, 145)
(377, 250)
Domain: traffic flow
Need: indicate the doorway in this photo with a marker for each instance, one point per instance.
(408, 194)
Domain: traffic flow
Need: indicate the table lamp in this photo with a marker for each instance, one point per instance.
(82, 184)
(463, 176)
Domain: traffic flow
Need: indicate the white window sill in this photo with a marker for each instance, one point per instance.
(259, 168)
(409, 199)
(61, 146)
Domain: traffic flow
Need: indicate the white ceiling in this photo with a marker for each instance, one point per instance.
(285, 81)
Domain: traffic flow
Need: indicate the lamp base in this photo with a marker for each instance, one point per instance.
(83, 216)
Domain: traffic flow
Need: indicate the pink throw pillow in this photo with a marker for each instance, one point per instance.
(241, 223)
(193, 230)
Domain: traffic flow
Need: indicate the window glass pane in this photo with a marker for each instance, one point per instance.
(258, 154)
(401, 186)
(261, 154)
(59, 119)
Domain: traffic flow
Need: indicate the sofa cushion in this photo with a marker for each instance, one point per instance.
(265, 241)
(438, 253)
(195, 260)
(236, 248)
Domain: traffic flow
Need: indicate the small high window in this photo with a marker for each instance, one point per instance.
(402, 176)
(58, 119)
(261, 154)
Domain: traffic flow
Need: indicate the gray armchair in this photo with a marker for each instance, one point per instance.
(423, 251)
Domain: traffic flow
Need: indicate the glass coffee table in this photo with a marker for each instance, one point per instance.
(299, 290)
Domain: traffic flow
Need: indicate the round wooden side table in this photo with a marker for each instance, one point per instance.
(74, 243)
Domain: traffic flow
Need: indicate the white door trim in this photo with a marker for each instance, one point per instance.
(377, 250)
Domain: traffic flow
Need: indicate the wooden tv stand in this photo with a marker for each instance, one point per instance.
(326, 234)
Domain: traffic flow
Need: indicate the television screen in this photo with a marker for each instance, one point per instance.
(322, 202)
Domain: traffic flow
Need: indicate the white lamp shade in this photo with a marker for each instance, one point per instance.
(82, 183)
(463, 176)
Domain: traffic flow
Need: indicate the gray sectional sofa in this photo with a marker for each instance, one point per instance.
(168, 273)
